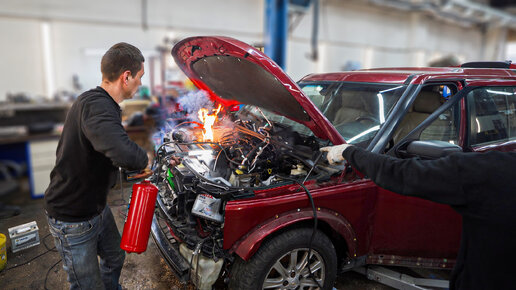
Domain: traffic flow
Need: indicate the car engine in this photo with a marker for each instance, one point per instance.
(199, 169)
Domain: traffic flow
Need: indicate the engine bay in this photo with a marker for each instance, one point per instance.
(198, 170)
(248, 153)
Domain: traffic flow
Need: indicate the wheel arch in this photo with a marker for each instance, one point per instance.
(333, 224)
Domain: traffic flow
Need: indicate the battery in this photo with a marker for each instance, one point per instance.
(208, 207)
(24, 236)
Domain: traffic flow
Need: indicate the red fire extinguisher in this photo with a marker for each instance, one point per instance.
(139, 218)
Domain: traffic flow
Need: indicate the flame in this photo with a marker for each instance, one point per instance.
(208, 120)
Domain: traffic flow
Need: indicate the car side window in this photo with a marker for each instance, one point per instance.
(492, 115)
(429, 99)
(445, 127)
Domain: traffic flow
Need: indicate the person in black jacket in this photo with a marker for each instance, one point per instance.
(481, 187)
(93, 145)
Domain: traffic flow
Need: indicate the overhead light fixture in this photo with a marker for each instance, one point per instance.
(48, 61)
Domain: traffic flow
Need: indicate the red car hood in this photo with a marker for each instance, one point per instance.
(234, 72)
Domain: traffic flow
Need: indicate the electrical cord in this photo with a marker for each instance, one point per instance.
(314, 214)
(48, 249)
(121, 201)
(34, 258)
(48, 272)
(314, 227)
(198, 258)
(313, 231)
(313, 166)
(315, 218)
(53, 249)
(196, 252)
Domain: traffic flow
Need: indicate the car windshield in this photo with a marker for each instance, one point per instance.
(357, 110)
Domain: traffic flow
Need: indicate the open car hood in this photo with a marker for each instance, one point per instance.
(233, 72)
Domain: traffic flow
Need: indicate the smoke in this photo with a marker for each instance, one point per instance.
(163, 132)
(226, 123)
(192, 102)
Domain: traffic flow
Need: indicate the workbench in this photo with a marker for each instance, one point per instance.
(38, 152)
(22, 145)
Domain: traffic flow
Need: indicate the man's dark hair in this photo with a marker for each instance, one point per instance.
(119, 58)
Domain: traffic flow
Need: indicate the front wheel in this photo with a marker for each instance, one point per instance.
(282, 263)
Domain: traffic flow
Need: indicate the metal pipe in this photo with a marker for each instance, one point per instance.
(276, 30)
(315, 31)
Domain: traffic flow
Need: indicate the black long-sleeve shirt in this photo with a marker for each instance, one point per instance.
(479, 186)
(92, 145)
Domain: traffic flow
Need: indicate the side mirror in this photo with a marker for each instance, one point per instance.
(431, 149)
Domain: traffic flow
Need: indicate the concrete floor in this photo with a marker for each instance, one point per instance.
(144, 271)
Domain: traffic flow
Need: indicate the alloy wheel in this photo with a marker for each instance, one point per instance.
(291, 271)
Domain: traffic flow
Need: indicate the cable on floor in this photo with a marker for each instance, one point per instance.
(48, 272)
(25, 263)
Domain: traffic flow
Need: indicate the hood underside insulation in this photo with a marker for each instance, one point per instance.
(237, 79)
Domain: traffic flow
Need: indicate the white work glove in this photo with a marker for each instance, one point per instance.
(334, 153)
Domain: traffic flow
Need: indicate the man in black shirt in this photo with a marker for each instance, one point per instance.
(93, 145)
(479, 186)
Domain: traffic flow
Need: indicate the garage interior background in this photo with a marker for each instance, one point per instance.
(51, 51)
(54, 45)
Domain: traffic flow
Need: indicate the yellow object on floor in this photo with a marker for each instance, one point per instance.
(3, 253)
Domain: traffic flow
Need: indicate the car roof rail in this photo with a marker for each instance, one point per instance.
(489, 64)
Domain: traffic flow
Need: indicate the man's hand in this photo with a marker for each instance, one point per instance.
(133, 175)
(174, 161)
(334, 153)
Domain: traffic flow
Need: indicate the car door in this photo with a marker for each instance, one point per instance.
(410, 230)
(482, 118)
(492, 117)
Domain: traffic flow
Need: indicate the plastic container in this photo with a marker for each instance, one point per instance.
(3, 253)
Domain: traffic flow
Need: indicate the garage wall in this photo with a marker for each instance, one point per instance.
(379, 37)
(21, 62)
(205, 15)
(81, 31)
(78, 55)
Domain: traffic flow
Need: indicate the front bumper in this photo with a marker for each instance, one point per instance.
(170, 252)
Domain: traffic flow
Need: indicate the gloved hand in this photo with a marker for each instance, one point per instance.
(334, 153)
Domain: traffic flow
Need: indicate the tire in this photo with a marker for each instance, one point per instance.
(263, 270)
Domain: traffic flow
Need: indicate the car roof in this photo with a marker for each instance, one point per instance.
(414, 75)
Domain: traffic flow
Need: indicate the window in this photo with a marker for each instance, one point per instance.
(357, 110)
(445, 127)
(492, 114)
(429, 99)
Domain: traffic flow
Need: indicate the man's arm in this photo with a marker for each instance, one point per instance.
(436, 180)
(101, 125)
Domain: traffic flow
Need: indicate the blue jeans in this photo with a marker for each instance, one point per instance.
(79, 243)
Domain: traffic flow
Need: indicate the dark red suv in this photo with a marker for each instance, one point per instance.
(241, 206)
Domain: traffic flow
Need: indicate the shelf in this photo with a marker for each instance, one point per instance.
(33, 106)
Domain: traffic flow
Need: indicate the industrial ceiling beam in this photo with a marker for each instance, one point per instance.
(462, 12)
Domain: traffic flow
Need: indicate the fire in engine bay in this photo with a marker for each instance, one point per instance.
(224, 156)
